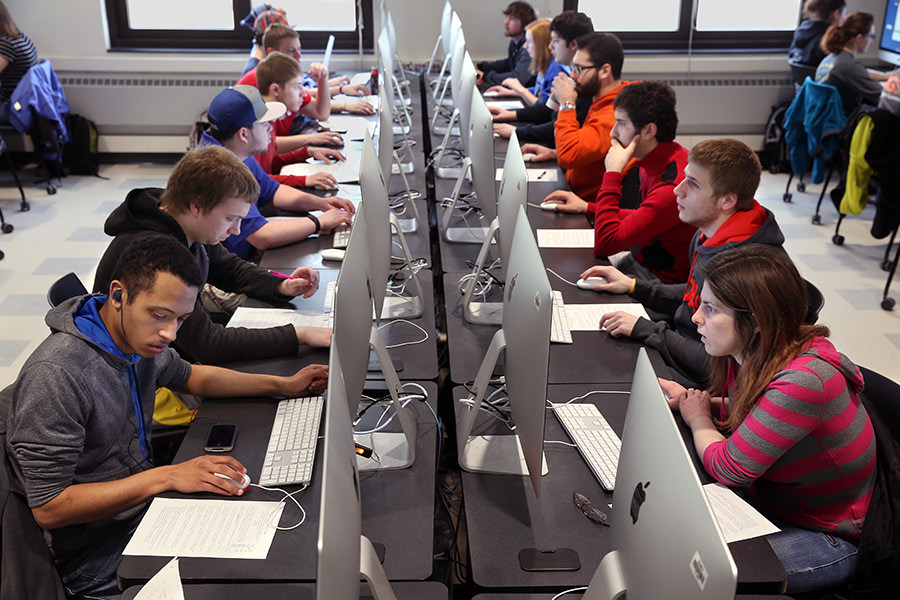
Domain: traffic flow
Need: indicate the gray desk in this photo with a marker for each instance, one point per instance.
(398, 506)
(406, 590)
(503, 515)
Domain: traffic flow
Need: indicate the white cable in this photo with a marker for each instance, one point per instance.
(572, 591)
(412, 343)
(551, 271)
(283, 501)
(583, 396)
(379, 425)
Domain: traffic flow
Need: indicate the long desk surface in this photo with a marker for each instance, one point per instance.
(405, 590)
(397, 506)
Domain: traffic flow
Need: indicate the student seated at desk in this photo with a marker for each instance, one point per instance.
(581, 149)
(653, 240)
(789, 427)
(207, 194)
(544, 68)
(517, 16)
(80, 411)
(240, 121)
(278, 80)
(565, 28)
(716, 196)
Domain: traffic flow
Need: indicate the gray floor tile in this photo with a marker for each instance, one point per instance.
(10, 351)
(61, 266)
(24, 304)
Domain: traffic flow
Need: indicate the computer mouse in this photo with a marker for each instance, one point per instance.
(243, 486)
(590, 282)
(490, 94)
(335, 254)
(550, 205)
(529, 156)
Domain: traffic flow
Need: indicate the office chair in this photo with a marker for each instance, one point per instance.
(799, 73)
(815, 303)
(67, 286)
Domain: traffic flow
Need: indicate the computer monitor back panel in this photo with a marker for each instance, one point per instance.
(661, 520)
(446, 23)
(386, 61)
(513, 195)
(889, 43)
(378, 226)
(526, 328)
(463, 98)
(385, 134)
(481, 150)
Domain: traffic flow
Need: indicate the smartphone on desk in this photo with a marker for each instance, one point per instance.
(221, 437)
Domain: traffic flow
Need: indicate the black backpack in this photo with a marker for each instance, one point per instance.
(775, 155)
(80, 154)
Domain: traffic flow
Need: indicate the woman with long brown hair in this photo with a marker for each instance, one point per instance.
(841, 69)
(790, 430)
(543, 66)
(17, 55)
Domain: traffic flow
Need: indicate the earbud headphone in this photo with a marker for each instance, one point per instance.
(117, 295)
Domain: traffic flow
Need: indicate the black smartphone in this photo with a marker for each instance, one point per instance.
(221, 437)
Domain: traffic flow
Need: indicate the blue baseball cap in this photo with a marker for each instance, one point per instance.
(242, 106)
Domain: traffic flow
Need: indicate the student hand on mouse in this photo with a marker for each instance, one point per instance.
(502, 114)
(618, 155)
(308, 380)
(359, 108)
(314, 337)
(504, 130)
(337, 202)
(323, 180)
(567, 201)
(330, 219)
(564, 89)
(196, 475)
(326, 138)
(326, 155)
(304, 281)
(541, 153)
(356, 89)
(514, 85)
(674, 390)
(618, 323)
(616, 281)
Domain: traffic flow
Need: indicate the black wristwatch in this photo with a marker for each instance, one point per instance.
(315, 221)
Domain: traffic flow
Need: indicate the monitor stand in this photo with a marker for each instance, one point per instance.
(461, 235)
(403, 306)
(371, 570)
(482, 313)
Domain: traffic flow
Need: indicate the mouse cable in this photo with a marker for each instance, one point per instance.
(552, 272)
(281, 503)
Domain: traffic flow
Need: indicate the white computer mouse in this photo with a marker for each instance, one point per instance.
(243, 486)
(550, 205)
(335, 254)
(590, 282)
(529, 156)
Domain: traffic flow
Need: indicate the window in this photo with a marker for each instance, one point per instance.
(214, 25)
(719, 25)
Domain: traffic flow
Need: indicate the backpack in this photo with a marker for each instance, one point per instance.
(775, 155)
(80, 154)
(200, 125)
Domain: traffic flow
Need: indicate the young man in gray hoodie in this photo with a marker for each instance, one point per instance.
(81, 408)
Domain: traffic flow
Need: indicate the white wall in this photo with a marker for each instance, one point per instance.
(718, 94)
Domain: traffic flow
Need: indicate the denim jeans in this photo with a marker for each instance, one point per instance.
(92, 576)
(813, 560)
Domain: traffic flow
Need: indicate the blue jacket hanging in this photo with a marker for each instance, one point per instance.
(813, 124)
(41, 91)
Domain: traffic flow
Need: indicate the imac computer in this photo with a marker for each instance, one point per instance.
(444, 96)
(344, 554)
(513, 194)
(443, 39)
(454, 30)
(379, 223)
(480, 161)
(462, 99)
(386, 60)
(354, 335)
(889, 43)
(389, 158)
(525, 339)
(660, 517)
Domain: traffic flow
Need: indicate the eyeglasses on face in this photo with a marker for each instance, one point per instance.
(579, 69)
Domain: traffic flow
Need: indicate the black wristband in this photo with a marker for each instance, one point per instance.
(315, 221)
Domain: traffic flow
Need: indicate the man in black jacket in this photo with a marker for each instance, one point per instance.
(207, 195)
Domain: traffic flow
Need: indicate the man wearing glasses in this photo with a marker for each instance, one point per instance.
(581, 150)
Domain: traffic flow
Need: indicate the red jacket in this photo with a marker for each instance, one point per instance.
(581, 149)
(272, 162)
(658, 239)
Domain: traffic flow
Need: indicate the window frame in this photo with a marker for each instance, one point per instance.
(124, 39)
(684, 41)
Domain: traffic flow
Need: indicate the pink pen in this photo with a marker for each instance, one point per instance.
(282, 275)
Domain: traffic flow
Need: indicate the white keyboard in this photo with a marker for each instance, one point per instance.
(595, 439)
(341, 237)
(292, 443)
(559, 322)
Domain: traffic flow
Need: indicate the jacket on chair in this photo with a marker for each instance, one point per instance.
(41, 91)
(812, 126)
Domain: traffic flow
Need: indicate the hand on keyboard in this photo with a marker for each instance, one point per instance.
(331, 219)
(308, 380)
(314, 337)
(619, 323)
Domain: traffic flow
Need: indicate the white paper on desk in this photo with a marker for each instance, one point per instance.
(361, 78)
(586, 317)
(355, 126)
(504, 104)
(346, 99)
(534, 175)
(344, 171)
(565, 238)
(737, 519)
(206, 529)
(348, 191)
(165, 585)
(263, 318)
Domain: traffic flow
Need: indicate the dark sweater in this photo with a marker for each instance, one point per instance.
(200, 339)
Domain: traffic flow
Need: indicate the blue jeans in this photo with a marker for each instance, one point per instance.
(92, 576)
(813, 560)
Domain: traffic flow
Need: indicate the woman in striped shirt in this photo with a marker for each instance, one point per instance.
(17, 55)
(791, 430)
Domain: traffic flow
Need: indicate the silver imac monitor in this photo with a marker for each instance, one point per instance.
(660, 515)
(449, 85)
(389, 158)
(513, 195)
(344, 554)
(525, 339)
(328, 49)
(889, 43)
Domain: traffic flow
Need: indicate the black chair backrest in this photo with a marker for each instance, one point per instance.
(799, 72)
(67, 286)
(884, 394)
(815, 303)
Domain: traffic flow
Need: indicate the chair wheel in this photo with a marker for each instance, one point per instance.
(51, 189)
(885, 265)
(887, 304)
(1, 255)
(801, 187)
(6, 228)
(837, 239)
(787, 197)
(817, 220)
(25, 207)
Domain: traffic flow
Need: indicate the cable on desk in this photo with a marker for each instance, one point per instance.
(400, 344)
(284, 501)
(585, 395)
(572, 591)
(552, 272)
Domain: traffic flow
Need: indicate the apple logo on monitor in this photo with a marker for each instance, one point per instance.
(637, 499)
(511, 286)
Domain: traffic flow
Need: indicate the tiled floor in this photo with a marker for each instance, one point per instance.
(64, 232)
